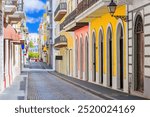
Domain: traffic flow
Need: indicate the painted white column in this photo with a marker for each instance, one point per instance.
(10, 62)
(6, 63)
(74, 58)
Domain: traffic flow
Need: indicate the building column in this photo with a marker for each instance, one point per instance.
(6, 63)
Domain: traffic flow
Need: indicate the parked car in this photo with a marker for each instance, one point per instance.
(34, 60)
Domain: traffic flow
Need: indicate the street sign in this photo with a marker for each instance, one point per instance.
(22, 46)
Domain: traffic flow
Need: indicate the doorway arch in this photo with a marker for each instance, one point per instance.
(120, 53)
(94, 57)
(109, 56)
(139, 54)
(101, 56)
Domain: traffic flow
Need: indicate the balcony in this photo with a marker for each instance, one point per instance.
(60, 11)
(85, 11)
(18, 15)
(84, 5)
(20, 10)
(71, 18)
(10, 7)
(60, 42)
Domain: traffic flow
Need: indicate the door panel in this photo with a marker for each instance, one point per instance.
(140, 62)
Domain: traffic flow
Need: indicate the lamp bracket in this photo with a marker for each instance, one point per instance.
(122, 17)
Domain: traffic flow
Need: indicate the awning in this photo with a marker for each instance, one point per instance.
(11, 34)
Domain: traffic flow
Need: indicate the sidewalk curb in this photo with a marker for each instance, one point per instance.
(26, 87)
(85, 88)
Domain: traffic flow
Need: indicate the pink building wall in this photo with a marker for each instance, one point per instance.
(82, 32)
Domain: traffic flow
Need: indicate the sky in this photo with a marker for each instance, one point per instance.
(34, 11)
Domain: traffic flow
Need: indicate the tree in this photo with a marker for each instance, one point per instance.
(31, 45)
(33, 55)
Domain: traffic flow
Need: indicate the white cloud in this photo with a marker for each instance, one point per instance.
(32, 20)
(32, 6)
(33, 34)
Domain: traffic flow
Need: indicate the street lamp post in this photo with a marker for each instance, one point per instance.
(112, 8)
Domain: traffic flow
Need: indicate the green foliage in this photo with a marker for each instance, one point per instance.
(31, 45)
(33, 55)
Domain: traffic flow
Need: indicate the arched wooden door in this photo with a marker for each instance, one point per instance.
(101, 56)
(139, 54)
(109, 57)
(120, 53)
(94, 56)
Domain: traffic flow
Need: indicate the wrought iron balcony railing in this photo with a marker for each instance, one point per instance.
(84, 5)
(20, 7)
(60, 41)
(69, 19)
(9, 2)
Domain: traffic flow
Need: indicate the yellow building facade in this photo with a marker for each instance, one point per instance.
(103, 50)
(106, 33)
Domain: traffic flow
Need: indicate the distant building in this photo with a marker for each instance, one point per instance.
(33, 37)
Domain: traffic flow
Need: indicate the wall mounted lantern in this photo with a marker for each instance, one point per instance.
(112, 8)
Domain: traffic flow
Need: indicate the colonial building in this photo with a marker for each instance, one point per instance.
(1, 48)
(64, 40)
(107, 48)
(139, 47)
(13, 38)
(100, 42)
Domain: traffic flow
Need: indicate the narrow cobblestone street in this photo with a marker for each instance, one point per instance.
(45, 86)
